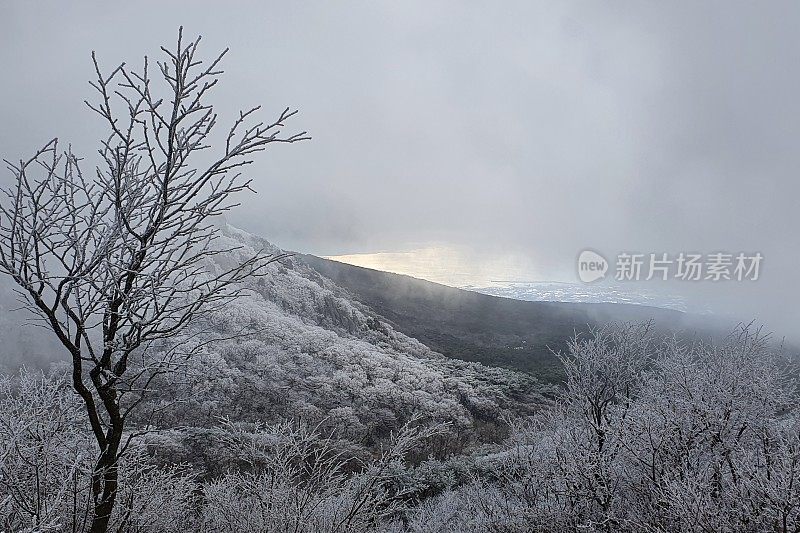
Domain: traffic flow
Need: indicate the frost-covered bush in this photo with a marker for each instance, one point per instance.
(46, 460)
(292, 479)
(45, 454)
(649, 435)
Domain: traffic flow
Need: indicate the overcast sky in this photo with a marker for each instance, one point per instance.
(532, 128)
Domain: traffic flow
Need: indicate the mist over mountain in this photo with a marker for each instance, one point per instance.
(384, 313)
(295, 344)
(494, 330)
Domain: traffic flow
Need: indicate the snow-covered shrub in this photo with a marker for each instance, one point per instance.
(292, 479)
(649, 435)
(45, 454)
(46, 460)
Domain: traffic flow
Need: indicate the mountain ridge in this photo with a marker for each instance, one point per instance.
(493, 330)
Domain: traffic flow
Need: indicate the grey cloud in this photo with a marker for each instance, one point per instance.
(540, 128)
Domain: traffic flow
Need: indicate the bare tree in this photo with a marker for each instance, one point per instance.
(117, 263)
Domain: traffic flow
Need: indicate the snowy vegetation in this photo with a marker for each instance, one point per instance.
(212, 383)
(647, 434)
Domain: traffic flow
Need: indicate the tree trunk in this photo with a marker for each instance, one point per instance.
(105, 482)
(104, 502)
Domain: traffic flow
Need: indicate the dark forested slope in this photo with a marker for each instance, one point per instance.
(476, 327)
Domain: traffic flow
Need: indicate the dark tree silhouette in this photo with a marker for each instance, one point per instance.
(116, 264)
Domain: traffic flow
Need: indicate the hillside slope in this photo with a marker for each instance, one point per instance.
(477, 327)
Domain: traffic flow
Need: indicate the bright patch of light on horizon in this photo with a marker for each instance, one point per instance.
(506, 275)
(449, 265)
